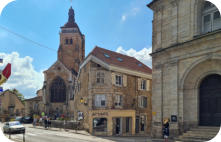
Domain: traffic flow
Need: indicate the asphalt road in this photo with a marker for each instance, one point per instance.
(42, 135)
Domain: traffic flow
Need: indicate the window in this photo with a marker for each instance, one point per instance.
(106, 55)
(58, 90)
(66, 41)
(100, 124)
(71, 41)
(119, 59)
(143, 102)
(143, 84)
(100, 101)
(100, 77)
(118, 100)
(118, 79)
(142, 123)
(210, 18)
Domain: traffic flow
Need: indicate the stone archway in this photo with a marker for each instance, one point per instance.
(191, 90)
(210, 101)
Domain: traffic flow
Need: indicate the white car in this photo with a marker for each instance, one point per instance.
(13, 127)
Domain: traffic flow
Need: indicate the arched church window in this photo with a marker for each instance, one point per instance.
(71, 41)
(211, 20)
(58, 90)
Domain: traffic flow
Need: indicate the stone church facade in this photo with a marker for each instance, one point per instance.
(60, 78)
(186, 73)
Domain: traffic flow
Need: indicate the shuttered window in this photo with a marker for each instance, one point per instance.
(100, 100)
(100, 77)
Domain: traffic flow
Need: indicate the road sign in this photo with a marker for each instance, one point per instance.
(1, 89)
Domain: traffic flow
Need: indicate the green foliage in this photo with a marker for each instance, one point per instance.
(20, 96)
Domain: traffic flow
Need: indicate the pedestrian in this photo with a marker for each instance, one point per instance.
(46, 122)
(49, 122)
(166, 130)
(35, 120)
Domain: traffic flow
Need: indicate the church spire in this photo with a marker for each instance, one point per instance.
(71, 15)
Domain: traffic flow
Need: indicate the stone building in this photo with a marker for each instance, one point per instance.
(10, 106)
(186, 65)
(113, 94)
(59, 78)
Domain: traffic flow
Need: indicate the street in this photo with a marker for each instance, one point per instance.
(39, 134)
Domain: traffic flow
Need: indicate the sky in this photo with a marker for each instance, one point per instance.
(124, 26)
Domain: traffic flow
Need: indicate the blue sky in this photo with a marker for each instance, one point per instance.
(119, 25)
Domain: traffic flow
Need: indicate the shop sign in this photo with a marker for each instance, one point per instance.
(100, 114)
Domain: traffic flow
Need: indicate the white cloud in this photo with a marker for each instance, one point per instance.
(142, 55)
(132, 12)
(123, 18)
(24, 77)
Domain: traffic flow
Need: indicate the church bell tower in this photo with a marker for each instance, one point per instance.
(71, 51)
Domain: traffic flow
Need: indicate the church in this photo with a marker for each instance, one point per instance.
(186, 72)
(59, 79)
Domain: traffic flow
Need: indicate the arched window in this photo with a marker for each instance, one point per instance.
(71, 41)
(66, 41)
(211, 20)
(58, 90)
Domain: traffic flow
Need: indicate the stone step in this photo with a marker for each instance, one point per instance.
(200, 135)
(215, 129)
(188, 140)
(202, 132)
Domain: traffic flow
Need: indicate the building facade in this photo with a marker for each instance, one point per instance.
(10, 106)
(186, 65)
(113, 95)
(60, 77)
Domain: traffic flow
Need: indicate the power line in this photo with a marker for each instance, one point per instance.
(27, 39)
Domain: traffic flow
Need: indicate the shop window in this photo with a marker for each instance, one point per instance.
(100, 77)
(100, 124)
(143, 84)
(118, 79)
(100, 101)
(210, 18)
(127, 124)
(118, 100)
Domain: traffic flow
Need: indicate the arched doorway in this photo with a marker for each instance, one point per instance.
(210, 101)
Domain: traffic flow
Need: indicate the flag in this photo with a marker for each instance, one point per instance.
(5, 74)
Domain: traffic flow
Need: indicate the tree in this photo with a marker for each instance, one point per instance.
(20, 96)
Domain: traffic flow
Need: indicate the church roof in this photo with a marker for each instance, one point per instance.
(120, 60)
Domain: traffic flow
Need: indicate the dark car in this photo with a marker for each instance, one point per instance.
(19, 118)
(27, 119)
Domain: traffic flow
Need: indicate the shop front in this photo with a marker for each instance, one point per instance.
(112, 122)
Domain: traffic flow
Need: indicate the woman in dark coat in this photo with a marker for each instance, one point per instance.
(166, 131)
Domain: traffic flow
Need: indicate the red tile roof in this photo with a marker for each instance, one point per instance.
(113, 59)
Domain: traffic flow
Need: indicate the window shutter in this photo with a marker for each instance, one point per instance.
(139, 84)
(148, 85)
(125, 80)
(113, 78)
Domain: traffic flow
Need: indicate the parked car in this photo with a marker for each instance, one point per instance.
(13, 127)
(19, 118)
(27, 119)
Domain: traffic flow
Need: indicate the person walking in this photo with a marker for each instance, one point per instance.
(166, 131)
(46, 122)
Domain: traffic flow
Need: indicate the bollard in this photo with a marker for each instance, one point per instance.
(9, 133)
(24, 136)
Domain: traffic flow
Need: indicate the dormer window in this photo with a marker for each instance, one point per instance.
(211, 20)
(119, 59)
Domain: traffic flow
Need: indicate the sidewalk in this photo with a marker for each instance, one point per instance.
(61, 129)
